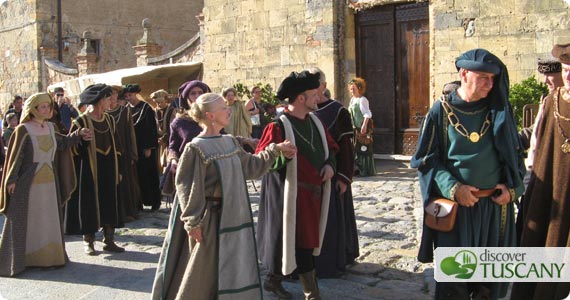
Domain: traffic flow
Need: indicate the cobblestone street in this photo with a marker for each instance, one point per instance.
(387, 209)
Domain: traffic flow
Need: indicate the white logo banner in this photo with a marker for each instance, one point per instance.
(502, 264)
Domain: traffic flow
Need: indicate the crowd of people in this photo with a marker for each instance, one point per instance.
(94, 168)
(80, 171)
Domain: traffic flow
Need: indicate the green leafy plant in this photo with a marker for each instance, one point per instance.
(267, 94)
(529, 91)
(242, 91)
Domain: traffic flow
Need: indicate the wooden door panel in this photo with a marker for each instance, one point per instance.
(412, 69)
(375, 56)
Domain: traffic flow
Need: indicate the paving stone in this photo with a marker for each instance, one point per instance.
(387, 215)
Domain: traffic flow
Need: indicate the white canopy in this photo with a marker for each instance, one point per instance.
(150, 78)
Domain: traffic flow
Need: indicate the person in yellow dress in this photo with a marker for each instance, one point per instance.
(37, 181)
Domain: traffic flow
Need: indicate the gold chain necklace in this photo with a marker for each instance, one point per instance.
(566, 145)
(473, 137)
(310, 143)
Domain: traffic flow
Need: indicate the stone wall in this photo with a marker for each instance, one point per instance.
(516, 31)
(117, 26)
(250, 41)
(18, 50)
(28, 25)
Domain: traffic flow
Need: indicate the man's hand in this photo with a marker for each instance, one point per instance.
(196, 233)
(464, 195)
(11, 188)
(327, 172)
(85, 134)
(341, 187)
(147, 153)
(504, 197)
(287, 149)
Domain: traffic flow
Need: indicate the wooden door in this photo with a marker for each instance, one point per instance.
(392, 44)
(412, 70)
(375, 63)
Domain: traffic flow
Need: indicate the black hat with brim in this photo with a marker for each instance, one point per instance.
(131, 88)
(297, 83)
(95, 92)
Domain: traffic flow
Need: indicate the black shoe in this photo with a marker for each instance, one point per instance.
(273, 284)
(89, 248)
(112, 247)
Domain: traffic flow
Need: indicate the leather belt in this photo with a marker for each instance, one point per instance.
(214, 204)
(484, 193)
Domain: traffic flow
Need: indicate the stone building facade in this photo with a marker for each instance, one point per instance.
(516, 31)
(404, 48)
(31, 31)
(250, 41)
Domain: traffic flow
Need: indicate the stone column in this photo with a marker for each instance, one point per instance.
(201, 24)
(146, 47)
(47, 50)
(86, 58)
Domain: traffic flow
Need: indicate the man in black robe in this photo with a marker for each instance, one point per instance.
(340, 246)
(94, 203)
(146, 132)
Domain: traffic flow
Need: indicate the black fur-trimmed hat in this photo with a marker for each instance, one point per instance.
(549, 65)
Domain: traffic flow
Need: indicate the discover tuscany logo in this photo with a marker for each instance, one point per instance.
(462, 265)
(496, 264)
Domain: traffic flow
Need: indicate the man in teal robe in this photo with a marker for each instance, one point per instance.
(469, 152)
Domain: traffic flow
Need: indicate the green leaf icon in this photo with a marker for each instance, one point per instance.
(462, 265)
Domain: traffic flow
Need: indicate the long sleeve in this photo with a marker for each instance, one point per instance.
(272, 134)
(150, 140)
(433, 176)
(174, 141)
(12, 165)
(365, 107)
(65, 142)
(190, 188)
(444, 181)
(246, 118)
(131, 135)
(333, 149)
(81, 147)
(254, 166)
(345, 156)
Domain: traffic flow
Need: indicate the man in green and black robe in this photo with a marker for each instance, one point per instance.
(469, 152)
